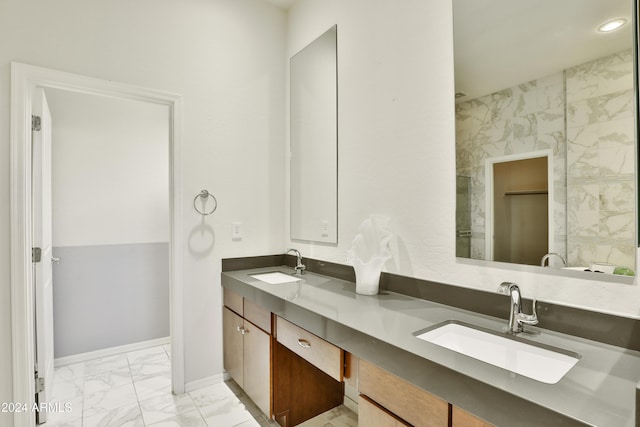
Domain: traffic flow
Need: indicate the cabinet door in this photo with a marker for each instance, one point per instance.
(460, 418)
(232, 326)
(300, 390)
(257, 366)
(370, 415)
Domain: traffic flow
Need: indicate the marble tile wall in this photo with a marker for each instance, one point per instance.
(524, 118)
(585, 116)
(601, 161)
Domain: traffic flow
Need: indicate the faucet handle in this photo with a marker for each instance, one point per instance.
(535, 308)
(529, 319)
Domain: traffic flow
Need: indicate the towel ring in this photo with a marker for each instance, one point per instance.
(204, 194)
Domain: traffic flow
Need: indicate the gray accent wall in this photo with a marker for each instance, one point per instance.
(109, 295)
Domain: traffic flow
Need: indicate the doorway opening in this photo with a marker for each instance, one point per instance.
(519, 210)
(25, 79)
(110, 222)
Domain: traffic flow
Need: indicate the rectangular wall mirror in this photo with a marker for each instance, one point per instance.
(314, 141)
(544, 80)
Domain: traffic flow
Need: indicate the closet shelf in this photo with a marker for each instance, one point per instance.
(525, 192)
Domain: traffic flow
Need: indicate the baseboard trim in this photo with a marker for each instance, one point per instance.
(83, 357)
(205, 382)
(351, 404)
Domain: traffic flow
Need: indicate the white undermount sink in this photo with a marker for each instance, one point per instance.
(537, 361)
(275, 277)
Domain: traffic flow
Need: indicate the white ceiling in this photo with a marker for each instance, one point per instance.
(501, 43)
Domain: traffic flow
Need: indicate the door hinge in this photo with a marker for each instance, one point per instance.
(36, 254)
(36, 123)
(39, 385)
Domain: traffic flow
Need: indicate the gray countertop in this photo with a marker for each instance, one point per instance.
(599, 391)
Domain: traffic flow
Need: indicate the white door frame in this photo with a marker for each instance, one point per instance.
(24, 78)
(488, 189)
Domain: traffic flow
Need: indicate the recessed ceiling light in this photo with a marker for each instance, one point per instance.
(612, 25)
(460, 94)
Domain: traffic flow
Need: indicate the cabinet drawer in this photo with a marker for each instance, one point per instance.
(320, 353)
(462, 418)
(371, 415)
(233, 301)
(407, 401)
(259, 316)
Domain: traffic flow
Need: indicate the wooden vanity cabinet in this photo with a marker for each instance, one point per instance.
(320, 353)
(293, 375)
(372, 415)
(388, 401)
(461, 418)
(233, 345)
(291, 381)
(400, 398)
(308, 374)
(247, 348)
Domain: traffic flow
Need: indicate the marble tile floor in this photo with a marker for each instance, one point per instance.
(336, 417)
(134, 390)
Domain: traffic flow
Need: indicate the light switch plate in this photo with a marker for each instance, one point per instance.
(236, 231)
(324, 228)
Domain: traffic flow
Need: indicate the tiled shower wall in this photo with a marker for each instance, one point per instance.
(601, 161)
(524, 118)
(593, 154)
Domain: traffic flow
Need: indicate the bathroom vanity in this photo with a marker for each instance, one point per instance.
(289, 373)
(403, 380)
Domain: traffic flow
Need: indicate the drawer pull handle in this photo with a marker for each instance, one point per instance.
(241, 329)
(304, 343)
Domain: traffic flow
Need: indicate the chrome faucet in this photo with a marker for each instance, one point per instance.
(550, 254)
(299, 268)
(516, 317)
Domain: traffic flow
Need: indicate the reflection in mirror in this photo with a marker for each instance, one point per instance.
(520, 210)
(536, 77)
(463, 216)
(314, 141)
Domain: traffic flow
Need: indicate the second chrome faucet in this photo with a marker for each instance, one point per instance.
(299, 268)
(516, 317)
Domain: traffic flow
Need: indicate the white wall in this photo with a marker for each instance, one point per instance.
(226, 57)
(397, 147)
(110, 170)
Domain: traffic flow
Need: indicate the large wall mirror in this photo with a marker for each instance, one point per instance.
(314, 141)
(546, 134)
